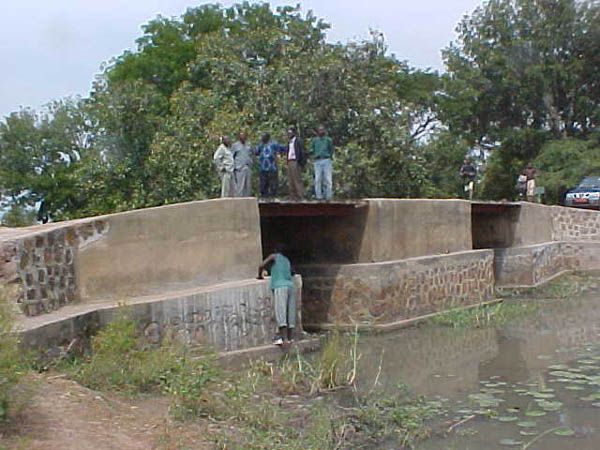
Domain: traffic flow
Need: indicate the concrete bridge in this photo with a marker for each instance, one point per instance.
(189, 270)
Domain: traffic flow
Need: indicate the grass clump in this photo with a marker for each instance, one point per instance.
(13, 363)
(121, 360)
(484, 315)
(399, 419)
(313, 403)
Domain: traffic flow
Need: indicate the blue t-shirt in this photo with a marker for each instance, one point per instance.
(266, 156)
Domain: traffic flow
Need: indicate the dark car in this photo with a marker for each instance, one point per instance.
(586, 195)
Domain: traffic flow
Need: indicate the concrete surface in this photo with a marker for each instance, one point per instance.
(406, 228)
(229, 316)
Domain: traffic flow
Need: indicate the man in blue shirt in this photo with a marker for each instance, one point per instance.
(267, 165)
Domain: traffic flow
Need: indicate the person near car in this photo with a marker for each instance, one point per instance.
(242, 156)
(468, 173)
(531, 173)
(322, 152)
(522, 185)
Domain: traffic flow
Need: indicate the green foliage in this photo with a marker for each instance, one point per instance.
(396, 416)
(484, 315)
(563, 164)
(518, 148)
(146, 134)
(18, 216)
(13, 364)
(521, 72)
(121, 360)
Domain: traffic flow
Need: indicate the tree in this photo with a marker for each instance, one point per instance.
(38, 155)
(521, 68)
(562, 165)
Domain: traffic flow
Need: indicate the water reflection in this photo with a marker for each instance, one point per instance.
(437, 361)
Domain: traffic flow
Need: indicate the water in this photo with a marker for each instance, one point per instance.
(510, 383)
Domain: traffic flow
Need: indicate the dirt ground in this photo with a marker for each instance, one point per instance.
(60, 414)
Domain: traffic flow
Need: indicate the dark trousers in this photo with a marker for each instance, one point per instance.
(268, 184)
(295, 180)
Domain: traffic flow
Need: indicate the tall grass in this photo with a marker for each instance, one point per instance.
(121, 360)
(13, 362)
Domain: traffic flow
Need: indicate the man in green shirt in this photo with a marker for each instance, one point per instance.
(322, 151)
(284, 300)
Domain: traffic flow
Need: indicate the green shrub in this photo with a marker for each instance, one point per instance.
(121, 360)
(13, 364)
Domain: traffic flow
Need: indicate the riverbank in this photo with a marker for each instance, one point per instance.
(358, 392)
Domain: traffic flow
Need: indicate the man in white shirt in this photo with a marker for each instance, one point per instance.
(295, 162)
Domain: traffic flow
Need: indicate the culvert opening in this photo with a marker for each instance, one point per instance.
(318, 239)
(314, 233)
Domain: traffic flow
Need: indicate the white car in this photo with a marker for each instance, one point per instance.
(586, 195)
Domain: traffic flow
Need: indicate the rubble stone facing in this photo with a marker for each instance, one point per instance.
(535, 264)
(571, 224)
(390, 291)
(44, 265)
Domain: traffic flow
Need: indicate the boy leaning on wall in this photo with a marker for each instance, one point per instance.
(282, 291)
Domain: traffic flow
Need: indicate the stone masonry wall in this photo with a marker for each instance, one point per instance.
(535, 264)
(396, 290)
(43, 265)
(571, 224)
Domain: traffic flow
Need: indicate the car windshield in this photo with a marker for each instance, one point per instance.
(590, 183)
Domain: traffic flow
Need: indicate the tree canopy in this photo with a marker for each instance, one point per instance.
(521, 73)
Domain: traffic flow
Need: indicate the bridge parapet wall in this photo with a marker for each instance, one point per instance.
(406, 228)
(124, 255)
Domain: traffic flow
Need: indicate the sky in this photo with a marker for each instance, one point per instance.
(50, 49)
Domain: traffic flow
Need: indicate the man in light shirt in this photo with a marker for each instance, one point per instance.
(223, 159)
(295, 161)
(242, 157)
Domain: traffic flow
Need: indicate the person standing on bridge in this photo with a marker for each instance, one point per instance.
(284, 300)
(296, 159)
(468, 173)
(267, 165)
(223, 159)
(322, 152)
(242, 157)
(531, 173)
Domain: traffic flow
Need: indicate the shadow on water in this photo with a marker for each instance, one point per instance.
(542, 373)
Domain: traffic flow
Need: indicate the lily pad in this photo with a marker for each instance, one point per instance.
(510, 442)
(544, 395)
(527, 424)
(574, 388)
(564, 431)
(507, 418)
(535, 413)
(549, 406)
(528, 433)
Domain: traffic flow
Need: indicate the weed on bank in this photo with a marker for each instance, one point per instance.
(14, 364)
(294, 403)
